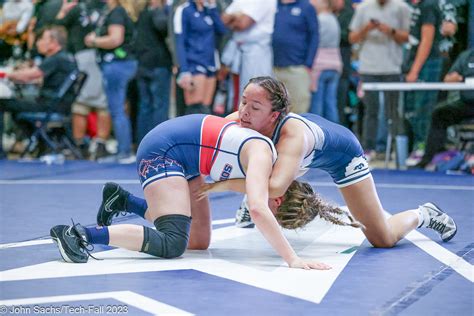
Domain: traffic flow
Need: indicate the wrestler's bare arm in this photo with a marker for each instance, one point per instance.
(290, 149)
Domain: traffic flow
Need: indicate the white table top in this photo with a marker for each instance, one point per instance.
(415, 86)
(6, 91)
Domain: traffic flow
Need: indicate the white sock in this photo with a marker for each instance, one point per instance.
(420, 215)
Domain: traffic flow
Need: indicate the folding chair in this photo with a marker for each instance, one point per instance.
(50, 127)
(465, 133)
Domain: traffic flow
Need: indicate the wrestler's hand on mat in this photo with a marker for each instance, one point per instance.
(300, 263)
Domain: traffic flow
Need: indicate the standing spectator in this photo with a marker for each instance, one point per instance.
(327, 65)
(471, 25)
(195, 27)
(453, 113)
(424, 63)
(115, 43)
(380, 27)
(249, 53)
(154, 67)
(344, 12)
(295, 42)
(14, 18)
(80, 19)
(44, 14)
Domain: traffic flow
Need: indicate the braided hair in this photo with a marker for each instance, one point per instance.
(277, 93)
(301, 205)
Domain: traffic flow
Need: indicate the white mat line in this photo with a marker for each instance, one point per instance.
(130, 298)
(322, 184)
(440, 253)
(50, 241)
(408, 186)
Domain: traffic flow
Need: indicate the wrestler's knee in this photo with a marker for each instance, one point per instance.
(170, 238)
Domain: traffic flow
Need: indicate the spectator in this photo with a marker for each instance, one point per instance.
(327, 65)
(80, 19)
(115, 43)
(53, 71)
(453, 113)
(195, 27)
(471, 25)
(295, 42)
(44, 14)
(154, 67)
(344, 12)
(423, 63)
(380, 27)
(249, 53)
(14, 18)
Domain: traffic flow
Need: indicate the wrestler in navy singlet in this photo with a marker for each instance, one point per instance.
(194, 144)
(336, 149)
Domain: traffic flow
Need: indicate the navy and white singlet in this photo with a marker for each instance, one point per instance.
(191, 145)
(336, 149)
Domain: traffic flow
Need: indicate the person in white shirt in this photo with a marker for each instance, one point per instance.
(249, 52)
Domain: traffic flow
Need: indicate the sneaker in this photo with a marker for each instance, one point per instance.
(123, 159)
(114, 202)
(100, 151)
(370, 155)
(439, 221)
(72, 242)
(126, 159)
(242, 217)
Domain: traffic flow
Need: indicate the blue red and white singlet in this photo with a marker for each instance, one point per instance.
(191, 145)
(336, 149)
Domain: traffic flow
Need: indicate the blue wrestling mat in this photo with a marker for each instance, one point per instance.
(239, 274)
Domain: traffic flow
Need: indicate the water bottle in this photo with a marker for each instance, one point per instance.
(53, 159)
(402, 150)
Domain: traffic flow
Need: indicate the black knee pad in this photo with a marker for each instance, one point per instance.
(170, 238)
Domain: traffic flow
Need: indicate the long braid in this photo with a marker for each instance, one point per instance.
(301, 205)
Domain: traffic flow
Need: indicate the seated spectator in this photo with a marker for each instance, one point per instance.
(453, 113)
(53, 71)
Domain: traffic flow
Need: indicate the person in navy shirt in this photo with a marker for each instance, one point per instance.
(295, 42)
(195, 28)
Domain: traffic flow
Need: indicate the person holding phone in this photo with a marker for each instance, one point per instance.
(380, 27)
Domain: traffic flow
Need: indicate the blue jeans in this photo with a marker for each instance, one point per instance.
(376, 114)
(422, 103)
(471, 26)
(324, 100)
(116, 75)
(154, 90)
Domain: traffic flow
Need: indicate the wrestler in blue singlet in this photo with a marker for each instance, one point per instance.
(336, 149)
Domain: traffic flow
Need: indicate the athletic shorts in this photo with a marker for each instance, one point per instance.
(202, 70)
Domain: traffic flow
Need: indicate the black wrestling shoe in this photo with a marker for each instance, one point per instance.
(72, 242)
(114, 202)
